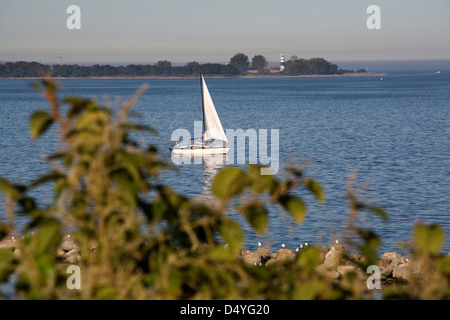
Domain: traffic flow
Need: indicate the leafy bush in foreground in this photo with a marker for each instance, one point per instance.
(139, 239)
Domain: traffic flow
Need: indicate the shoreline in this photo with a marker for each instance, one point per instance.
(336, 259)
(246, 76)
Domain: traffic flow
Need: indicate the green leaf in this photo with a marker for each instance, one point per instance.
(138, 127)
(232, 234)
(259, 183)
(38, 217)
(175, 284)
(309, 290)
(369, 246)
(50, 85)
(315, 187)
(222, 253)
(295, 206)
(429, 239)
(132, 163)
(6, 263)
(78, 106)
(51, 176)
(129, 189)
(256, 215)
(107, 293)
(48, 237)
(66, 158)
(167, 204)
(309, 258)
(4, 230)
(9, 189)
(40, 121)
(229, 182)
(154, 210)
(443, 265)
(378, 210)
(37, 86)
(28, 204)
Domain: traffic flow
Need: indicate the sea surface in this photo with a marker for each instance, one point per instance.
(393, 134)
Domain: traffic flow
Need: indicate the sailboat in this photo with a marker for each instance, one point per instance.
(213, 140)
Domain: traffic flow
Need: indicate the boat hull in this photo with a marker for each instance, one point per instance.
(199, 151)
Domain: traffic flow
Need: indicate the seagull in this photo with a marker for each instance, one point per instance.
(284, 245)
(306, 244)
(259, 244)
(297, 249)
(337, 241)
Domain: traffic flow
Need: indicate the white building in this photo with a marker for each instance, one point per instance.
(282, 60)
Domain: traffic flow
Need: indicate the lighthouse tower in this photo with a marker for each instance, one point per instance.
(281, 62)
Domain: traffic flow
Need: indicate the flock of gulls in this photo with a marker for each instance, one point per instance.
(297, 249)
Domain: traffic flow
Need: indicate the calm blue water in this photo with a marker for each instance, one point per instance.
(395, 134)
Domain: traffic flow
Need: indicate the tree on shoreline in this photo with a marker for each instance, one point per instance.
(312, 66)
(259, 62)
(240, 62)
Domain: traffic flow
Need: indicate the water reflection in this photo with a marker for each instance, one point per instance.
(211, 165)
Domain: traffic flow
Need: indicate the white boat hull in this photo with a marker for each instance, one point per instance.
(199, 151)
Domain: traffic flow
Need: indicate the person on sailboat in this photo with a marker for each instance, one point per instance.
(205, 139)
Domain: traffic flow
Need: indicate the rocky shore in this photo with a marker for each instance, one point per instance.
(335, 263)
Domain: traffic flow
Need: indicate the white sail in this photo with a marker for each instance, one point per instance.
(213, 128)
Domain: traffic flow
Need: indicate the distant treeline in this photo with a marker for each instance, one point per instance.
(313, 66)
(238, 65)
(22, 69)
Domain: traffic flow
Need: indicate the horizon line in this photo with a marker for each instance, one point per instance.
(118, 63)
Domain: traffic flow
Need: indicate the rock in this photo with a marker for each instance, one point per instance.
(388, 257)
(323, 252)
(245, 252)
(265, 255)
(271, 262)
(343, 270)
(333, 258)
(389, 261)
(263, 252)
(409, 270)
(388, 271)
(284, 255)
(401, 272)
(324, 271)
(356, 256)
(60, 252)
(251, 259)
(67, 244)
(72, 256)
(9, 243)
(285, 252)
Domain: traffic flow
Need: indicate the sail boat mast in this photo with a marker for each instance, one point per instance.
(203, 105)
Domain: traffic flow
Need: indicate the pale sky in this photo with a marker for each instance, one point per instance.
(145, 31)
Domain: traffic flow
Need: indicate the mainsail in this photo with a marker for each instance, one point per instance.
(213, 128)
